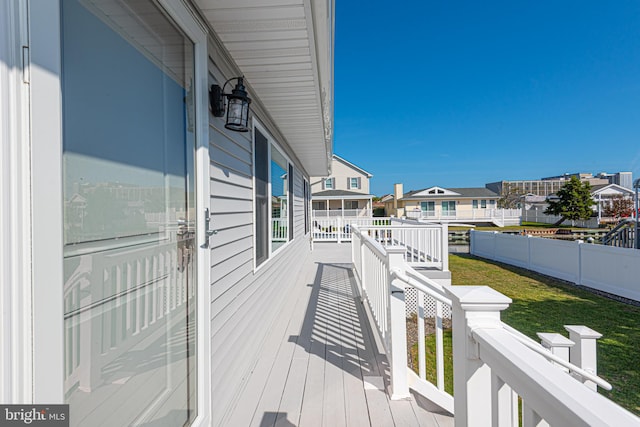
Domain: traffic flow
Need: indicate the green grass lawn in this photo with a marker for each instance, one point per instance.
(543, 304)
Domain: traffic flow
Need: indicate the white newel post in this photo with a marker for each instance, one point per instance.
(445, 247)
(584, 354)
(473, 307)
(398, 327)
(558, 344)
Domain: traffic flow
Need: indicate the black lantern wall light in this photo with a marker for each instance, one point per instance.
(237, 104)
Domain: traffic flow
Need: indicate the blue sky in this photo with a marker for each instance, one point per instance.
(462, 93)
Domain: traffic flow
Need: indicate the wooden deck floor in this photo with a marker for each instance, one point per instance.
(321, 366)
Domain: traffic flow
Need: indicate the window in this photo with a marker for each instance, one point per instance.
(429, 208)
(492, 203)
(307, 197)
(328, 183)
(261, 187)
(449, 208)
(319, 206)
(483, 204)
(353, 183)
(351, 204)
(290, 175)
(273, 191)
(279, 199)
(474, 204)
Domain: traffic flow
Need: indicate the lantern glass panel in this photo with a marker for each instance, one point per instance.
(236, 115)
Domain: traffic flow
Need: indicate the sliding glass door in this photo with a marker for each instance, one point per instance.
(129, 218)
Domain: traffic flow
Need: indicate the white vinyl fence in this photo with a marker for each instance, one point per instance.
(605, 268)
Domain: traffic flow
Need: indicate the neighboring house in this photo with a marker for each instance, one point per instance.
(604, 195)
(140, 280)
(439, 204)
(343, 193)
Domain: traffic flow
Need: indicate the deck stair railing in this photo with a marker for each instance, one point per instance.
(494, 366)
(622, 235)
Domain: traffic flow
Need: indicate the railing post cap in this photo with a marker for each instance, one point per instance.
(554, 340)
(583, 331)
(478, 298)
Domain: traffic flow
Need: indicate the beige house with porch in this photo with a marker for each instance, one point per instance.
(439, 204)
(345, 192)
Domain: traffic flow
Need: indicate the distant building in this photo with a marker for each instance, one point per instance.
(550, 185)
(623, 179)
(537, 187)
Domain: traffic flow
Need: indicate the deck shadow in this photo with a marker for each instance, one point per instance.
(335, 327)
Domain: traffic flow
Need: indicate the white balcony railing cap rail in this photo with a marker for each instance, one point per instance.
(557, 397)
(400, 227)
(373, 244)
(535, 346)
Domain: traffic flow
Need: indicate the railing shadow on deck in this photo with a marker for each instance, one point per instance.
(336, 329)
(333, 327)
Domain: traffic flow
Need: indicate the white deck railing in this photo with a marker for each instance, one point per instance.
(502, 216)
(280, 229)
(323, 213)
(338, 229)
(494, 365)
(425, 245)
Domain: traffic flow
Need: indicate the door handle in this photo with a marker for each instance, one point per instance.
(208, 232)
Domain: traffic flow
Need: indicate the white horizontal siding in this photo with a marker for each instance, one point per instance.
(244, 302)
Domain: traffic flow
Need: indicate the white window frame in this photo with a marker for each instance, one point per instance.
(47, 237)
(450, 212)
(271, 142)
(424, 207)
(351, 183)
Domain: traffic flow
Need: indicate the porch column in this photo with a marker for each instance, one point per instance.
(473, 307)
(342, 207)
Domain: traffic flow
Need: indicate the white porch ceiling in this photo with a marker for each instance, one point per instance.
(284, 48)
